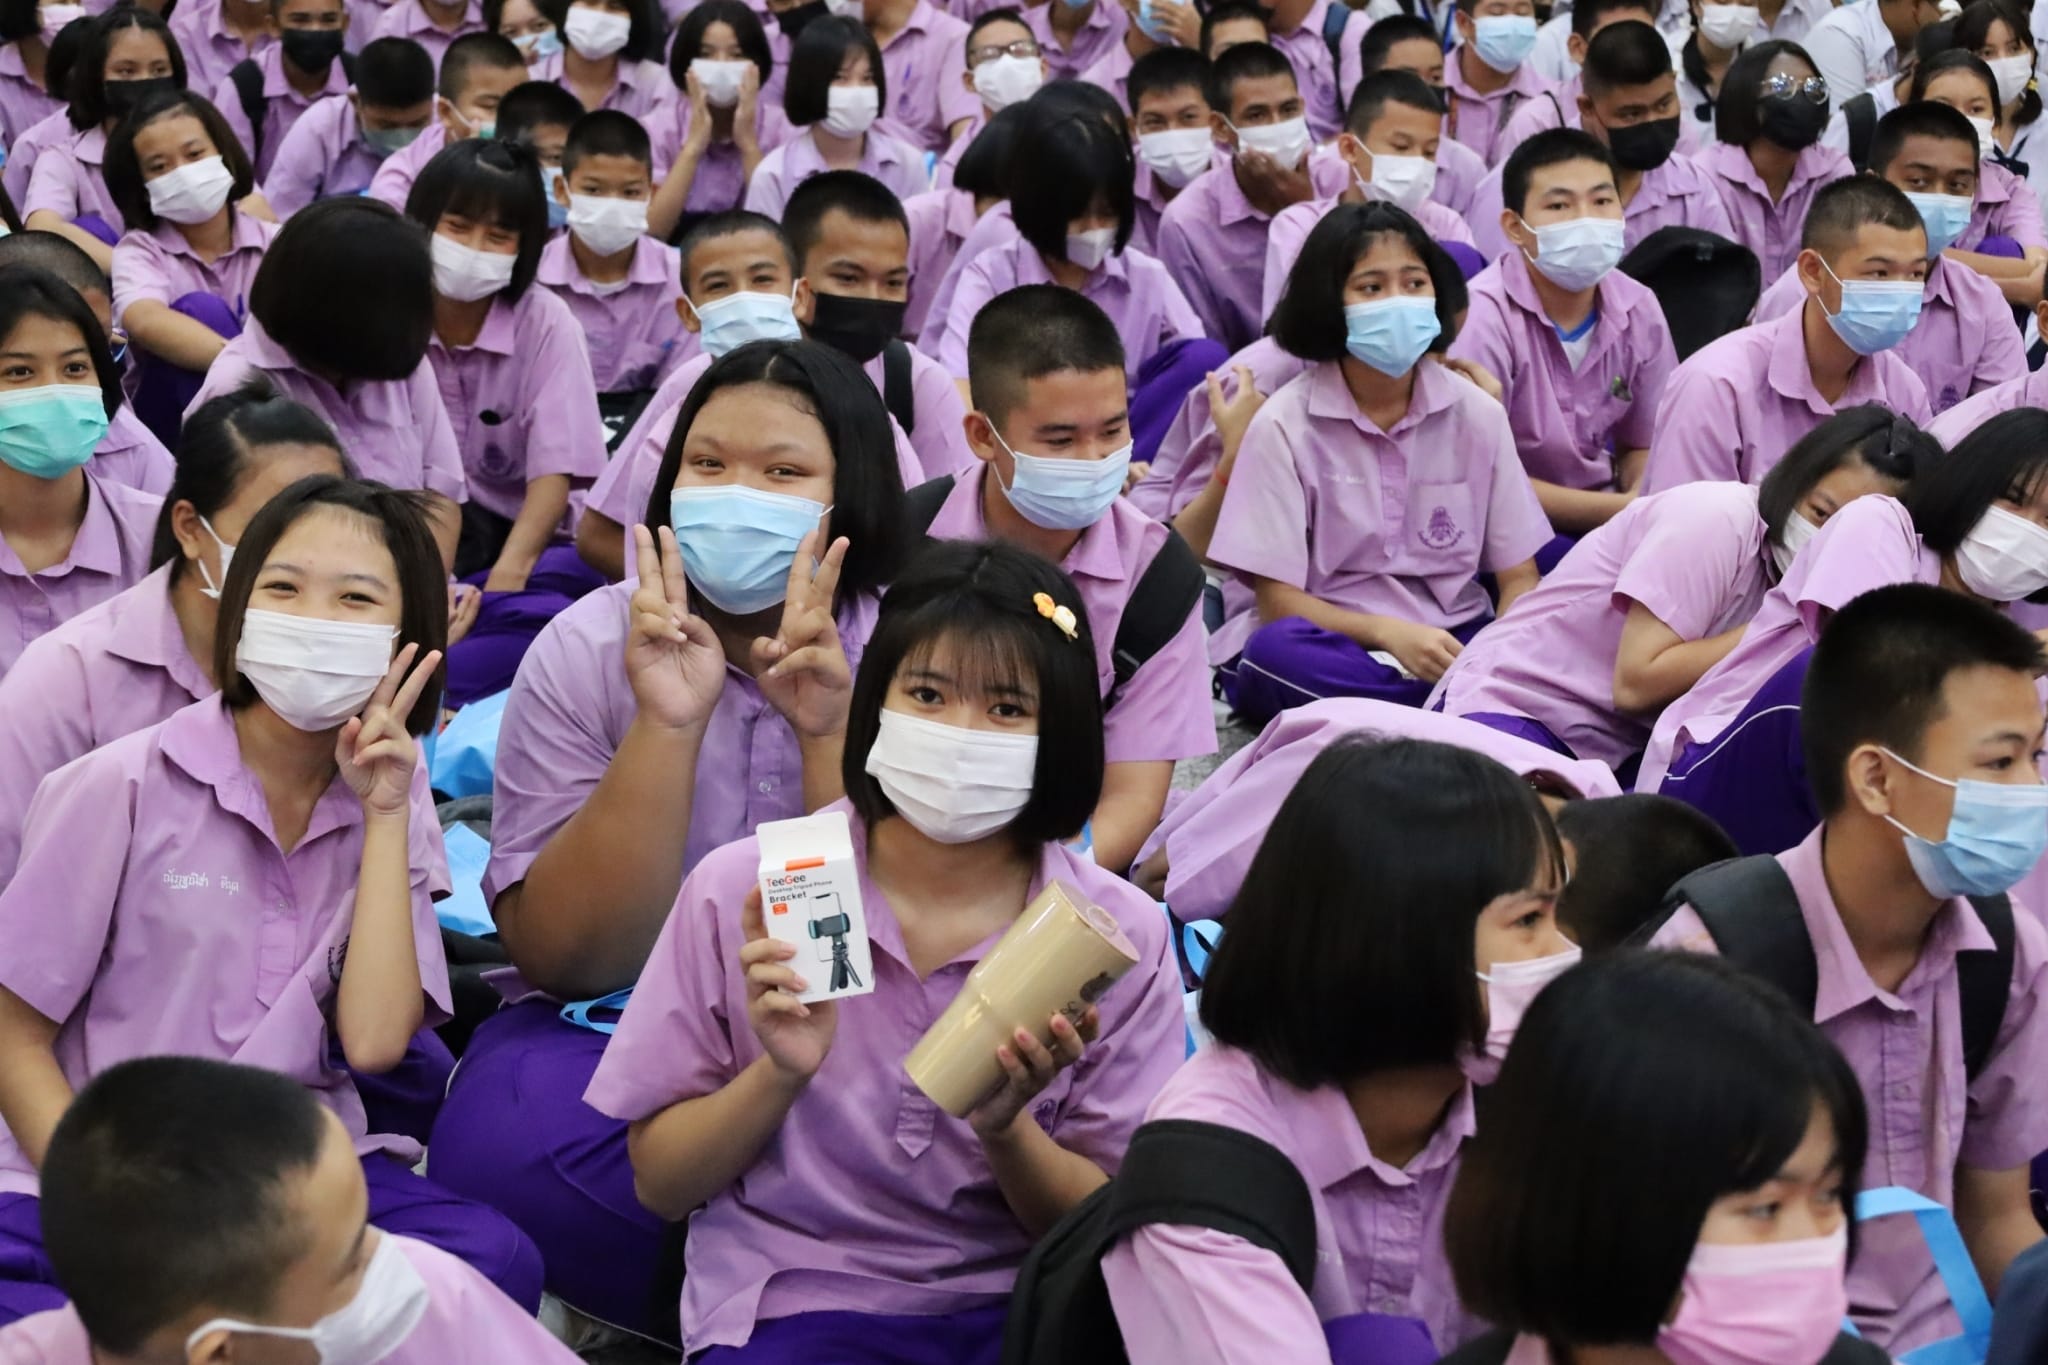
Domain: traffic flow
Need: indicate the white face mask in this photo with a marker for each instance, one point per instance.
(191, 193)
(596, 33)
(1579, 252)
(1287, 143)
(227, 557)
(388, 1304)
(1177, 155)
(721, 81)
(2005, 556)
(1008, 80)
(2012, 74)
(1729, 26)
(313, 672)
(1091, 248)
(954, 785)
(1798, 530)
(607, 226)
(851, 110)
(1403, 181)
(465, 274)
(1987, 141)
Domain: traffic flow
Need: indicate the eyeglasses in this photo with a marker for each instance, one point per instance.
(1023, 47)
(1812, 89)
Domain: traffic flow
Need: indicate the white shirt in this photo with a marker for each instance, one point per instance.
(1884, 96)
(1853, 49)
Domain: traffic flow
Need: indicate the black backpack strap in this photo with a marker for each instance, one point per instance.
(1166, 593)
(1208, 1176)
(348, 66)
(1491, 1349)
(248, 79)
(1752, 912)
(1984, 983)
(1335, 19)
(922, 503)
(897, 395)
(1860, 112)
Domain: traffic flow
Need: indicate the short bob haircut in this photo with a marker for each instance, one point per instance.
(643, 40)
(746, 30)
(141, 1163)
(2007, 457)
(88, 83)
(348, 287)
(123, 169)
(976, 598)
(867, 486)
(1868, 434)
(1641, 1087)
(221, 445)
(29, 291)
(1067, 167)
(1954, 59)
(814, 62)
(1366, 891)
(1738, 119)
(1308, 322)
(401, 522)
(487, 181)
(1972, 33)
(982, 168)
(1551, 147)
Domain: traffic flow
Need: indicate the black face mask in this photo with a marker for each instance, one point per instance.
(1644, 146)
(1794, 124)
(122, 96)
(311, 49)
(857, 328)
(794, 21)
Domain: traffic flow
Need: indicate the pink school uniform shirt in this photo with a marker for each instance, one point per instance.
(1906, 1049)
(939, 222)
(1102, 30)
(521, 401)
(159, 266)
(1694, 558)
(396, 430)
(1112, 73)
(1213, 242)
(1770, 227)
(211, 48)
(923, 61)
(131, 454)
(1135, 290)
(109, 671)
(160, 846)
(67, 179)
(991, 229)
(1315, 71)
(639, 88)
(1676, 194)
(949, 160)
(1164, 711)
(869, 1197)
(570, 706)
(2006, 206)
(1459, 170)
(24, 150)
(322, 157)
(1869, 544)
(634, 335)
(720, 182)
(283, 106)
(1478, 120)
(2030, 390)
(1291, 227)
(1197, 1296)
(392, 182)
(1211, 836)
(23, 103)
(1963, 343)
(1737, 404)
(1399, 523)
(896, 164)
(1151, 197)
(109, 553)
(408, 19)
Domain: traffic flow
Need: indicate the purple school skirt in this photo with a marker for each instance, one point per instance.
(974, 1337)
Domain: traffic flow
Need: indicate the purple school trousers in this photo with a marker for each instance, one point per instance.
(1751, 778)
(1292, 662)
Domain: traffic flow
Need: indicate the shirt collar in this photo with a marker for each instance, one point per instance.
(1329, 396)
(650, 265)
(149, 634)
(1790, 372)
(1341, 1151)
(1094, 555)
(245, 234)
(1031, 268)
(276, 85)
(1938, 277)
(97, 546)
(960, 214)
(1229, 199)
(201, 740)
(90, 146)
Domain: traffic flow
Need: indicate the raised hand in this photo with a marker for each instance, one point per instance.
(698, 136)
(803, 671)
(464, 601)
(1234, 417)
(673, 659)
(374, 751)
(795, 1036)
(1029, 1067)
(744, 114)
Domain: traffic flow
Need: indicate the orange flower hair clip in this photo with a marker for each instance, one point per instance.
(1063, 617)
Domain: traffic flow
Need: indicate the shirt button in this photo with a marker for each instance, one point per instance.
(766, 787)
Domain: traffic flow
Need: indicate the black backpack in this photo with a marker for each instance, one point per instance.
(1860, 113)
(248, 79)
(1177, 1171)
(1161, 600)
(897, 395)
(1706, 284)
(1750, 908)
(1493, 1348)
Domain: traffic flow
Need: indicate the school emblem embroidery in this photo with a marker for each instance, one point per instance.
(1440, 532)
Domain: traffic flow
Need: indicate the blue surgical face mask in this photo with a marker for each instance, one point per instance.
(48, 431)
(733, 321)
(738, 543)
(1391, 334)
(1875, 315)
(1996, 834)
(1945, 217)
(1503, 41)
(1149, 24)
(558, 212)
(1064, 495)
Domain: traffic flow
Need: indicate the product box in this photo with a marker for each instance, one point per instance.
(810, 896)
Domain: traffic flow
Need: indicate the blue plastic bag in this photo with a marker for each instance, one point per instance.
(1952, 1262)
(465, 754)
(463, 909)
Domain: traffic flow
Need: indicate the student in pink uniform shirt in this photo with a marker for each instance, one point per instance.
(837, 88)
(707, 143)
(1731, 410)
(2030, 390)
(1299, 29)
(1680, 1135)
(611, 57)
(278, 835)
(1964, 342)
(1152, 24)
(27, 28)
(1170, 113)
(435, 25)
(924, 51)
(1213, 236)
(1928, 791)
(479, 70)
(178, 1238)
(217, 35)
(1581, 349)
(337, 146)
(1462, 868)
(1558, 107)
(1074, 37)
(124, 55)
(1368, 586)
(69, 538)
(1003, 68)
(531, 31)
(1405, 42)
(1487, 75)
(941, 220)
(302, 66)
(796, 1131)
(2005, 240)
(616, 722)
(1768, 162)
(1646, 604)
(183, 270)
